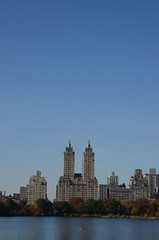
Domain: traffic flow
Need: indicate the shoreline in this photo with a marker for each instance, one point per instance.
(89, 216)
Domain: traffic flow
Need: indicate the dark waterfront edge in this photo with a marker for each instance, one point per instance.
(110, 208)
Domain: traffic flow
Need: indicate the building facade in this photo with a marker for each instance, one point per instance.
(119, 192)
(73, 184)
(153, 180)
(2, 196)
(103, 191)
(138, 185)
(36, 189)
(23, 193)
(113, 179)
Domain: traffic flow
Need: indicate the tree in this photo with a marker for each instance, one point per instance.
(89, 207)
(3, 209)
(43, 207)
(62, 209)
(152, 208)
(127, 206)
(112, 206)
(140, 207)
(77, 204)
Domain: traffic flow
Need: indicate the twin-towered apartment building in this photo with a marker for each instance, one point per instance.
(85, 185)
(73, 184)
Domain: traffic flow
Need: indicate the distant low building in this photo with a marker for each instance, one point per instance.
(16, 197)
(23, 193)
(119, 192)
(103, 191)
(2, 196)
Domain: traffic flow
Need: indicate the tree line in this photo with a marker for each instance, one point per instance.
(79, 207)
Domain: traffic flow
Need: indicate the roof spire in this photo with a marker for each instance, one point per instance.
(69, 143)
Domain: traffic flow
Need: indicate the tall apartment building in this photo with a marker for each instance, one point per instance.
(153, 180)
(138, 185)
(73, 184)
(88, 163)
(113, 179)
(37, 188)
(69, 162)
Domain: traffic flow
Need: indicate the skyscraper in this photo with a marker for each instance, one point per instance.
(69, 162)
(88, 163)
(72, 184)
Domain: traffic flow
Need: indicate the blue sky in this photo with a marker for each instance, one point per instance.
(79, 71)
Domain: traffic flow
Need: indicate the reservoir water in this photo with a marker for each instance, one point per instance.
(63, 228)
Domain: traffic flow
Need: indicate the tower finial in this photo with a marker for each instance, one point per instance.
(69, 143)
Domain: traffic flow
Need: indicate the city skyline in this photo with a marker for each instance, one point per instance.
(78, 71)
(66, 169)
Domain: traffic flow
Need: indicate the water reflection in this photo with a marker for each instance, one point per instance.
(74, 228)
(54, 228)
(34, 229)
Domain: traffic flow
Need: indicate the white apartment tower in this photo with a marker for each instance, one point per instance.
(37, 188)
(88, 163)
(69, 162)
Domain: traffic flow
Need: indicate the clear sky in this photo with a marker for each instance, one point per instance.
(78, 70)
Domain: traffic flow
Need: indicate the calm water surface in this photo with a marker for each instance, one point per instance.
(56, 228)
